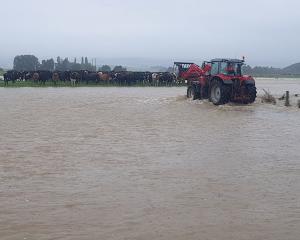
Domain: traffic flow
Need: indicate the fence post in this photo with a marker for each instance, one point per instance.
(287, 99)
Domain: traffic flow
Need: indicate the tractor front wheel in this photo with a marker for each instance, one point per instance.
(191, 93)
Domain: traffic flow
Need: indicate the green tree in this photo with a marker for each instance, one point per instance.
(26, 63)
(47, 65)
(247, 69)
(82, 64)
(119, 68)
(66, 65)
(105, 68)
(76, 67)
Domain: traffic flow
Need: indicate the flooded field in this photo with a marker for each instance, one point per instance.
(146, 163)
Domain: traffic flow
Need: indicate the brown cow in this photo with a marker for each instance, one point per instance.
(55, 77)
(104, 77)
(35, 77)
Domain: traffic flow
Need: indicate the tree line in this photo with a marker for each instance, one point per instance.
(31, 63)
(258, 71)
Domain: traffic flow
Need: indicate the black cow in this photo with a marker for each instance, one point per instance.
(65, 76)
(166, 78)
(45, 76)
(74, 78)
(131, 78)
(5, 76)
(121, 78)
(11, 75)
(90, 77)
(41, 76)
(26, 75)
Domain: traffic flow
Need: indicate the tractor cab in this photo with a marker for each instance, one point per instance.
(229, 67)
(180, 68)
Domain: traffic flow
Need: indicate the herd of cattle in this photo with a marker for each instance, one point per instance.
(125, 78)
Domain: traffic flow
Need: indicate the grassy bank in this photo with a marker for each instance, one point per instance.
(63, 84)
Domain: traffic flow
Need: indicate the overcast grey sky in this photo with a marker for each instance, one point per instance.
(267, 32)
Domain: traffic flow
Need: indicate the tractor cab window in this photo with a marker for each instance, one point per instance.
(232, 69)
(214, 68)
(239, 67)
(223, 68)
(185, 67)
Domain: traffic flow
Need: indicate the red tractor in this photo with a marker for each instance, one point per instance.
(220, 80)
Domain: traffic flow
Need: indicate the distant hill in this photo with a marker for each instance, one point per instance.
(258, 71)
(292, 69)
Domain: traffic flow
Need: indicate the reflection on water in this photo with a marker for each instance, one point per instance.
(145, 163)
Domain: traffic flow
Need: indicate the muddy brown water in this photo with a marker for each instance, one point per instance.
(145, 163)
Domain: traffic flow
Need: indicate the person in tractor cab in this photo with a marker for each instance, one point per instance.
(231, 69)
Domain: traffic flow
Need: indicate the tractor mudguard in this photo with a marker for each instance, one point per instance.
(227, 82)
(249, 82)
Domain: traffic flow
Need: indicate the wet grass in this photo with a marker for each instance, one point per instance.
(47, 84)
(268, 97)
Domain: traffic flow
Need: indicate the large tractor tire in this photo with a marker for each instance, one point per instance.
(251, 89)
(192, 93)
(219, 93)
(204, 92)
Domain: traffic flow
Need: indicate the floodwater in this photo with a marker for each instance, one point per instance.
(145, 163)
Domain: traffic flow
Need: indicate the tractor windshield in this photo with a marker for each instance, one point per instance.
(234, 69)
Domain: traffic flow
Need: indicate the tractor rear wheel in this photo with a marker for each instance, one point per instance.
(219, 93)
(251, 89)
